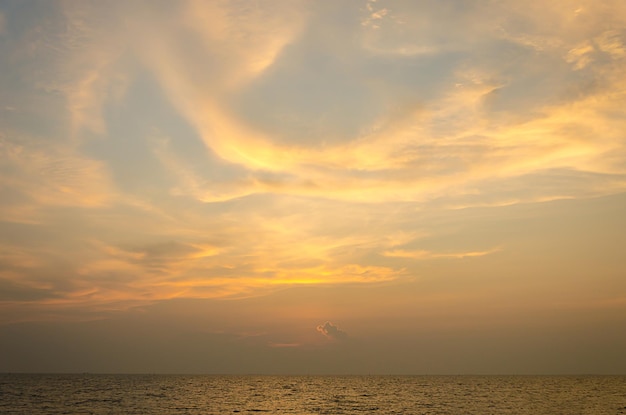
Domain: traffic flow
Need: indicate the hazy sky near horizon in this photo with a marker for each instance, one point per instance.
(313, 186)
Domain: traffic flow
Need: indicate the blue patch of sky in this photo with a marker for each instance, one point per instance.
(315, 95)
(135, 128)
(30, 99)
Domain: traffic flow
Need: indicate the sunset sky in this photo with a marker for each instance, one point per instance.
(419, 187)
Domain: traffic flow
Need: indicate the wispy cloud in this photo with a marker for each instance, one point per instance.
(42, 175)
(423, 254)
(227, 150)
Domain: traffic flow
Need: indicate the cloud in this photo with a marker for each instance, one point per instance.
(580, 55)
(611, 42)
(374, 14)
(227, 149)
(331, 331)
(337, 170)
(424, 254)
(40, 175)
(411, 159)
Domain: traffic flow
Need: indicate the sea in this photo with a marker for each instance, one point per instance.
(35, 394)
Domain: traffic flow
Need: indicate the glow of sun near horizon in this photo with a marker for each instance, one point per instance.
(361, 186)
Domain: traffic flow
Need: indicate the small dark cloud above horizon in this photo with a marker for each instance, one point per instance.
(331, 331)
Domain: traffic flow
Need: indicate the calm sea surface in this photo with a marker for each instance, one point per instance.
(173, 394)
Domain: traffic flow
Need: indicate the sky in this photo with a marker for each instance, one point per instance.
(313, 187)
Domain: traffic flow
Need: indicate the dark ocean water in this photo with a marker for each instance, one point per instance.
(177, 394)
